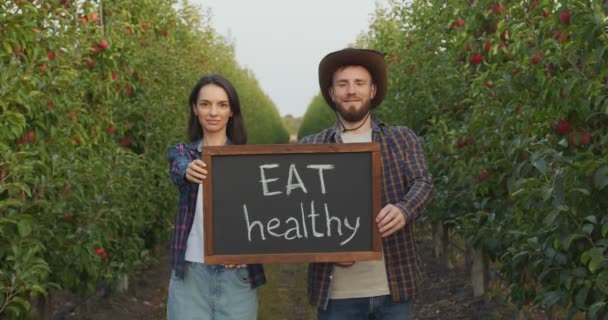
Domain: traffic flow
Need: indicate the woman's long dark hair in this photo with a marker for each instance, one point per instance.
(235, 129)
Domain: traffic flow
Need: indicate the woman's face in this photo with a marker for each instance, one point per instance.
(212, 109)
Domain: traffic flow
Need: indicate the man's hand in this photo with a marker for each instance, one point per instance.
(389, 220)
(345, 264)
(196, 171)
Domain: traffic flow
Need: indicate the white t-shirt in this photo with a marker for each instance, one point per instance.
(195, 246)
(364, 278)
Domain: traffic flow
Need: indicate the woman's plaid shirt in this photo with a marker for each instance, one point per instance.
(179, 157)
(406, 184)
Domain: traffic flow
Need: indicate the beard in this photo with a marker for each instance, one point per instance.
(351, 113)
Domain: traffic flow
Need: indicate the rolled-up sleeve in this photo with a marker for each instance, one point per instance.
(415, 169)
(178, 163)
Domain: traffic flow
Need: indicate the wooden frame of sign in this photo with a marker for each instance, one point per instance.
(291, 203)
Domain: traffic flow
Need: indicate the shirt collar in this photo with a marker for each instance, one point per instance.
(198, 144)
(377, 126)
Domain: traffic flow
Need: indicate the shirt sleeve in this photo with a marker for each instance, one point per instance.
(178, 163)
(417, 176)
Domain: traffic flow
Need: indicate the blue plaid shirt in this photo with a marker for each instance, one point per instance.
(179, 157)
(406, 184)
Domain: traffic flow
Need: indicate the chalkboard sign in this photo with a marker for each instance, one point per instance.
(291, 203)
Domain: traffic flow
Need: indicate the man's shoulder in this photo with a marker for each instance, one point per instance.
(319, 137)
(399, 130)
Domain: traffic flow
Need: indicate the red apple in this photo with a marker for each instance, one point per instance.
(101, 253)
(496, 8)
(562, 127)
(89, 62)
(487, 46)
(517, 110)
(483, 176)
(125, 142)
(476, 58)
(103, 44)
(579, 138)
(564, 16)
(30, 136)
(457, 23)
(560, 36)
(144, 25)
(460, 143)
(533, 5)
(536, 58)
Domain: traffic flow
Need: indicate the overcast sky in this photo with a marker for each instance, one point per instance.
(282, 41)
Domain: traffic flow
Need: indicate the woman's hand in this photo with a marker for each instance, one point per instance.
(196, 171)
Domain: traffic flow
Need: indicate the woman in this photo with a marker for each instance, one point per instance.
(198, 290)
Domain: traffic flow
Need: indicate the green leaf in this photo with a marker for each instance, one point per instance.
(597, 257)
(568, 240)
(602, 281)
(600, 178)
(540, 165)
(550, 218)
(588, 228)
(7, 47)
(25, 227)
(551, 298)
(581, 297)
(594, 308)
(581, 190)
(23, 302)
(16, 203)
(547, 192)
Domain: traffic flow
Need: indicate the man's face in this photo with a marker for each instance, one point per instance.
(352, 91)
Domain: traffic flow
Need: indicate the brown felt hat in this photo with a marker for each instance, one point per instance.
(372, 60)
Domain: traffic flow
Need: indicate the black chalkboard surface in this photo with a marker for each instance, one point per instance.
(291, 203)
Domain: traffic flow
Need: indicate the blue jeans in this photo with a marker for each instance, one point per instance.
(211, 292)
(370, 308)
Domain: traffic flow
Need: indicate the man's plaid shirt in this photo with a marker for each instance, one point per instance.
(406, 184)
(179, 157)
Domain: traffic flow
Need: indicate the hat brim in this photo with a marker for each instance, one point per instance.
(372, 60)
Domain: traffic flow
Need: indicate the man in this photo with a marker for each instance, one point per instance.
(353, 82)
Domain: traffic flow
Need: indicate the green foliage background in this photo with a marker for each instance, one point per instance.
(530, 195)
(92, 93)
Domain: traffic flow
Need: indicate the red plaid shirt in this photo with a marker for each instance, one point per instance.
(406, 184)
(179, 157)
